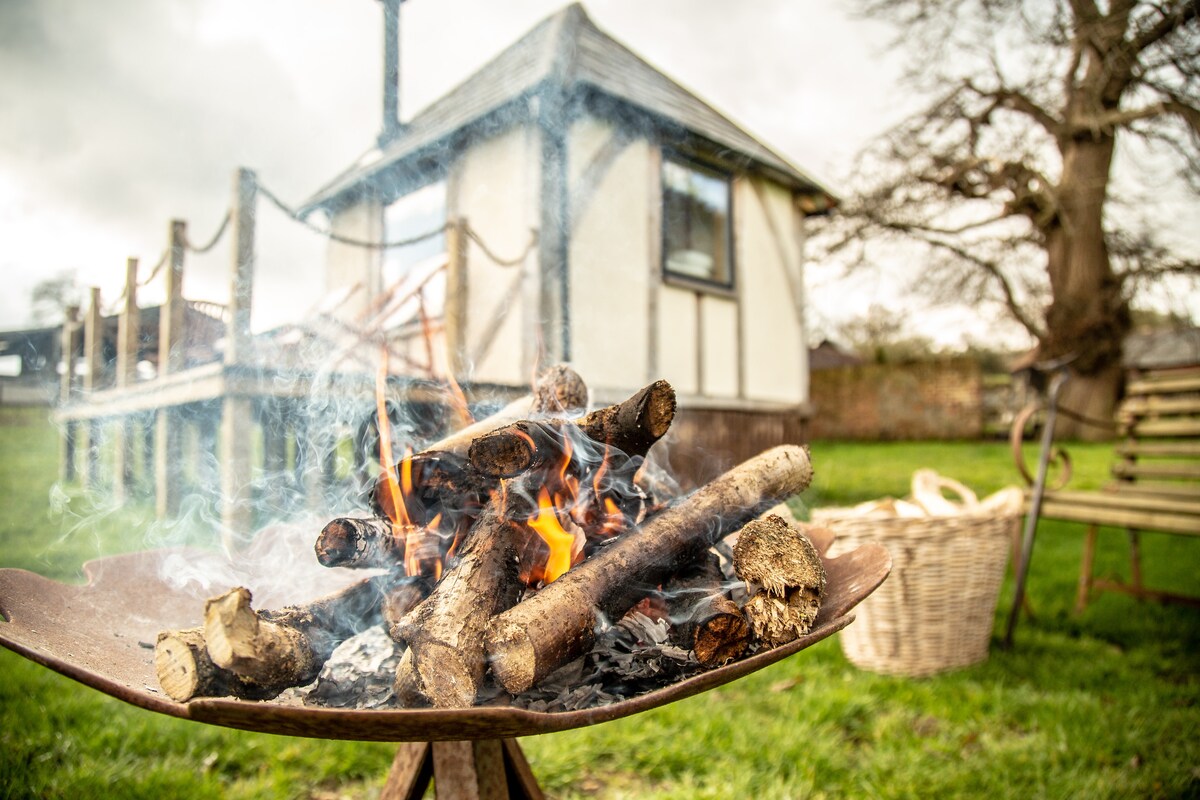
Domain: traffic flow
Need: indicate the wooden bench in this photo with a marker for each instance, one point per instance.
(1155, 486)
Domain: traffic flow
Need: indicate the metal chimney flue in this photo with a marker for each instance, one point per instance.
(391, 72)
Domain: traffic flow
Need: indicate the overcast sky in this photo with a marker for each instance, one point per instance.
(117, 116)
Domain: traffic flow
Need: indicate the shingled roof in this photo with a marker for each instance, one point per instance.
(565, 50)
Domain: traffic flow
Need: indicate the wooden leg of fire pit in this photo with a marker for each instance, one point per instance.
(489, 769)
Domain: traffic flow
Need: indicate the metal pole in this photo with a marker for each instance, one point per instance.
(1035, 501)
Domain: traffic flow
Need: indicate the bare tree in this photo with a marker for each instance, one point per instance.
(1005, 178)
(50, 297)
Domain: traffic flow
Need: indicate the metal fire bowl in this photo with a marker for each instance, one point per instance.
(102, 633)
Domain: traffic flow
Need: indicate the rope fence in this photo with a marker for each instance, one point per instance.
(295, 216)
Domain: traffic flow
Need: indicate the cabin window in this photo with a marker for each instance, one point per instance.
(697, 225)
(411, 216)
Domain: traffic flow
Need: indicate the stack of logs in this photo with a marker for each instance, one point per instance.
(469, 499)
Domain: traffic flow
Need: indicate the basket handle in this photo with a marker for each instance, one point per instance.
(927, 488)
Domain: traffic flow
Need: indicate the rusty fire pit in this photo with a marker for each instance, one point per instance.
(101, 634)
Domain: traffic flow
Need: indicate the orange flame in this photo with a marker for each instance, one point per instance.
(385, 440)
(561, 543)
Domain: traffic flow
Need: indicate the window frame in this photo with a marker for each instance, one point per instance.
(727, 287)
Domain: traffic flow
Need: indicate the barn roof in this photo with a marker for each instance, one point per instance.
(566, 51)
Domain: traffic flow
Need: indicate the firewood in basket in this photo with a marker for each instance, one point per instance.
(279, 649)
(444, 664)
(631, 427)
(535, 637)
(704, 619)
(785, 566)
(185, 670)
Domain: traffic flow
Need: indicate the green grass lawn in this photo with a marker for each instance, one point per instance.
(1103, 705)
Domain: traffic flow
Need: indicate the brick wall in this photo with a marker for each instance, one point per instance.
(926, 400)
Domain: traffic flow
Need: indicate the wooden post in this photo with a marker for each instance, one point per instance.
(167, 479)
(241, 290)
(66, 453)
(93, 339)
(128, 325)
(456, 297)
(237, 421)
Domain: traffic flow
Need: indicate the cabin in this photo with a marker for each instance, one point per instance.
(570, 202)
(566, 203)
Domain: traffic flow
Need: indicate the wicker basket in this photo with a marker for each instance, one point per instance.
(935, 611)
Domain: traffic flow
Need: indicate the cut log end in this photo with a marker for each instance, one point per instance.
(560, 390)
(785, 564)
(771, 553)
(722, 638)
(186, 671)
(658, 409)
(182, 664)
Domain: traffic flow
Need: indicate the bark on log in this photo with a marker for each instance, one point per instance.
(445, 663)
(636, 424)
(559, 390)
(279, 649)
(704, 619)
(527, 642)
(185, 670)
(359, 543)
(401, 600)
(778, 558)
(631, 427)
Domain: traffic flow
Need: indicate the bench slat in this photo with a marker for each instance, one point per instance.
(1151, 405)
(1169, 384)
(1130, 500)
(1188, 525)
(1136, 449)
(1135, 471)
(1163, 427)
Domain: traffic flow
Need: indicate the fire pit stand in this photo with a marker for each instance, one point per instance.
(485, 769)
(102, 634)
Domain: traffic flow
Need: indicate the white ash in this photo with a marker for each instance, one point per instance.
(629, 658)
(359, 673)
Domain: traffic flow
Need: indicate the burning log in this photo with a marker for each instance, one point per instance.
(275, 650)
(444, 664)
(631, 427)
(784, 564)
(441, 489)
(706, 621)
(403, 598)
(559, 390)
(636, 424)
(185, 670)
(359, 543)
(556, 625)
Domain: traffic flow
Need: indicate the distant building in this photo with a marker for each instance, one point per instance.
(669, 241)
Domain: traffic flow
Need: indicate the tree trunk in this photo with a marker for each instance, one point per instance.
(1088, 315)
